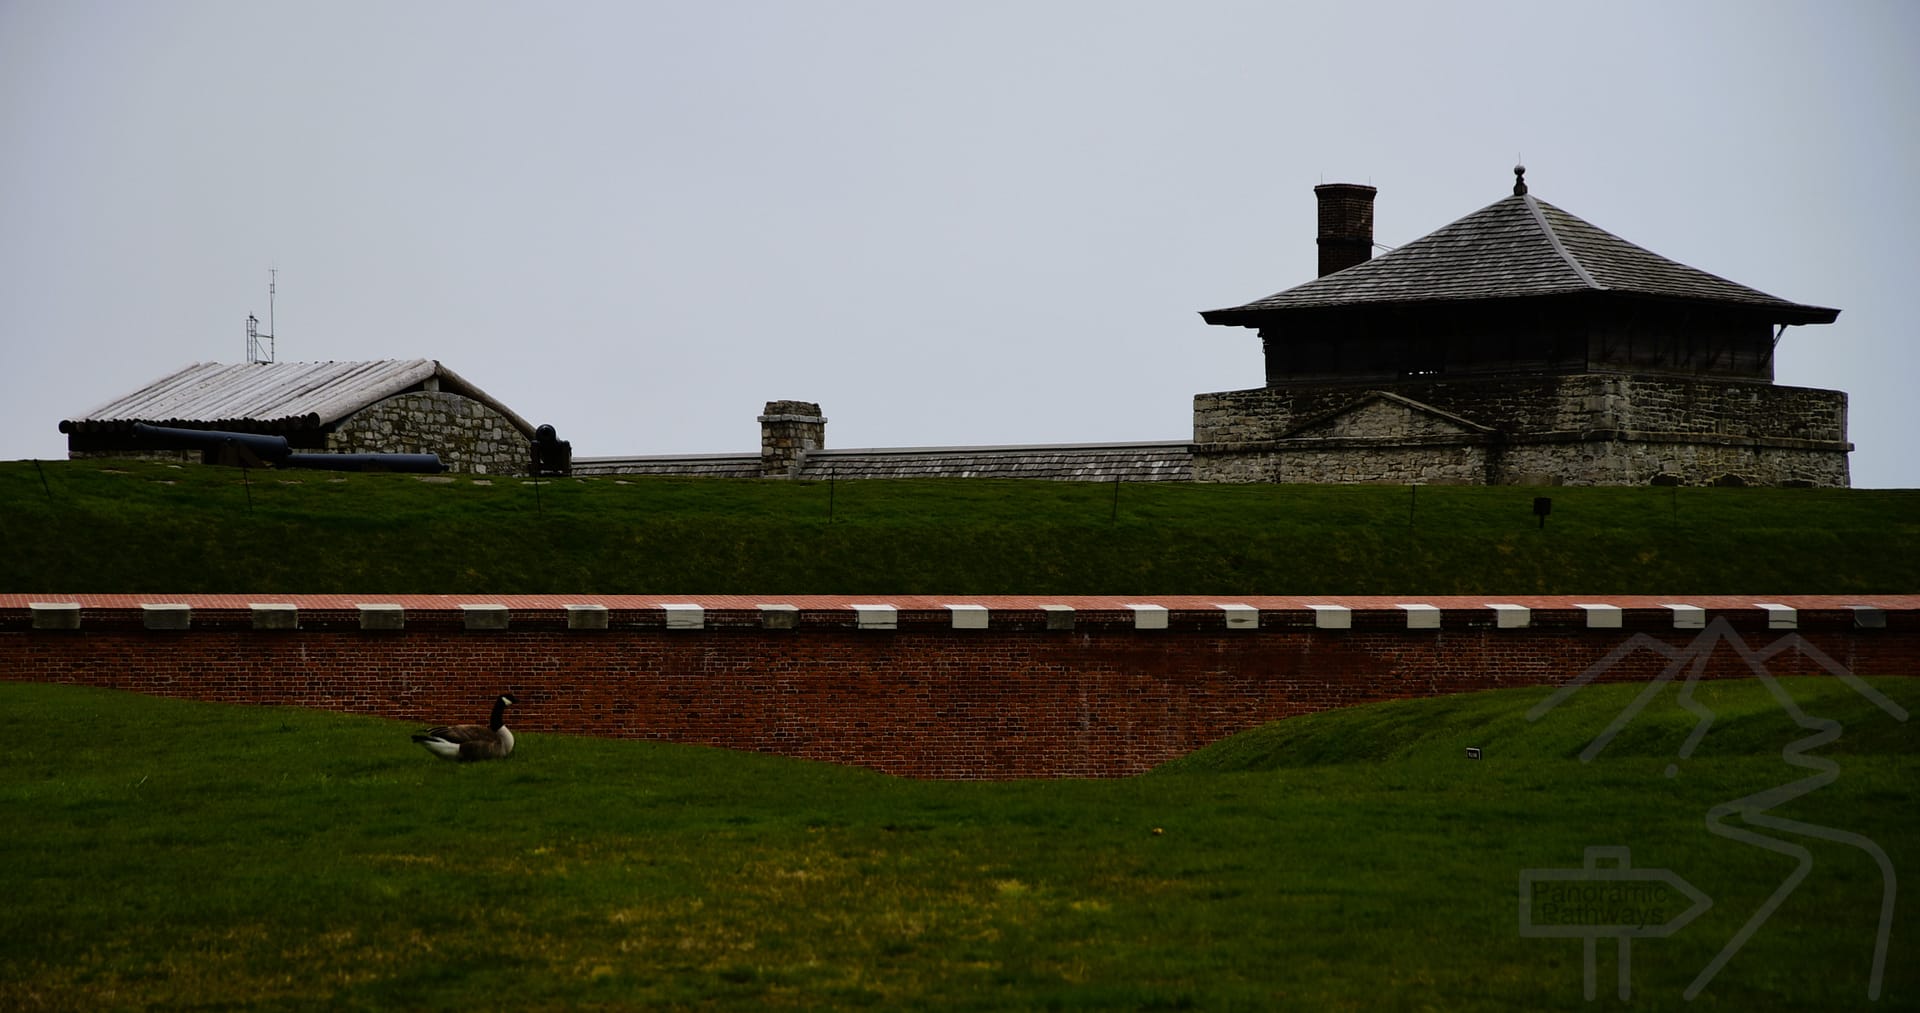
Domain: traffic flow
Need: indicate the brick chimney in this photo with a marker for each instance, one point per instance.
(1346, 225)
(788, 430)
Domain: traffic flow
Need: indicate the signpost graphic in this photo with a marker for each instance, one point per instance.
(1606, 896)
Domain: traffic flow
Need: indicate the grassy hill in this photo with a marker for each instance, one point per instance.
(162, 854)
(122, 526)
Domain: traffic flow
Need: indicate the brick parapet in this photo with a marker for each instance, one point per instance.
(936, 609)
(1110, 692)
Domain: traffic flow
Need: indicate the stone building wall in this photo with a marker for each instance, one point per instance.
(672, 465)
(469, 436)
(1347, 464)
(1585, 429)
(162, 456)
(1651, 462)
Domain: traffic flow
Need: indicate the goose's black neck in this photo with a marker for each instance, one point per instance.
(499, 714)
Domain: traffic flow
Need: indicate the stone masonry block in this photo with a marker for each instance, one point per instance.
(1422, 617)
(166, 616)
(1332, 617)
(1511, 617)
(1149, 617)
(586, 617)
(382, 617)
(969, 617)
(484, 617)
(274, 616)
(1601, 617)
(1241, 617)
(1688, 617)
(876, 617)
(684, 616)
(55, 615)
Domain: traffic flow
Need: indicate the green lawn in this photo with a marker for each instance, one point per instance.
(134, 527)
(163, 854)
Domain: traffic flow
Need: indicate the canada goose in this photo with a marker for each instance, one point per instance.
(466, 743)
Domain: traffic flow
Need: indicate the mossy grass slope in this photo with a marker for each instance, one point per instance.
(163, 854)
(144, 527)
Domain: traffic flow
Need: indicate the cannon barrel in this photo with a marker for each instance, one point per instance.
(216, 447)
(426, 464)
(256, 450)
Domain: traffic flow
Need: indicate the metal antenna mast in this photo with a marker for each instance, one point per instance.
(254, 352)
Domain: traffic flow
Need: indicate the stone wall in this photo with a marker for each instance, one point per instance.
(162, 456)
(673, 465)
(1629, 461)
(1088, 462)
(469, 436)
(1584, 429)
(1347, 464)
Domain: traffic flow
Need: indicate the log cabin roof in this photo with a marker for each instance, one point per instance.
(275, 396)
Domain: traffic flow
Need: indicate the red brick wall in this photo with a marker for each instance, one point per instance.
(924, 700)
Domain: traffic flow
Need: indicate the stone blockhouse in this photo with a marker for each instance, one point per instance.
(1518, 345)
(391, 406)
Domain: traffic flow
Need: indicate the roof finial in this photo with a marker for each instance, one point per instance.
(1519, 180)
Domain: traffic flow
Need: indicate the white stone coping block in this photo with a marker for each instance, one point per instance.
(483, 617)
(1511, 617)
(1059, 617)
(586, 617)
(166, 615)
(274, 615)
(1687, 617)
(1241, 617)
(684, 616)
(1780, 617)
(1149, 617)
(55, 615)
(969, 617)
(1601, 616)
(1422, 617)
(382, 616)
(779, 617)
(876, 617)
(1332, 617)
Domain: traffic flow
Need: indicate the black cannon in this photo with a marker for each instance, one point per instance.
(551, 454)
(245, 450)
(259, 450)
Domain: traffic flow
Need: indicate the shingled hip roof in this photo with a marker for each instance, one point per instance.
(1517, 247)
(274, 396)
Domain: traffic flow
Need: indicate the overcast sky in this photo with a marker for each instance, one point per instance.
(948, 223)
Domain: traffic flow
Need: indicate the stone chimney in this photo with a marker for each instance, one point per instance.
(788, 430)
(1346, 225)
